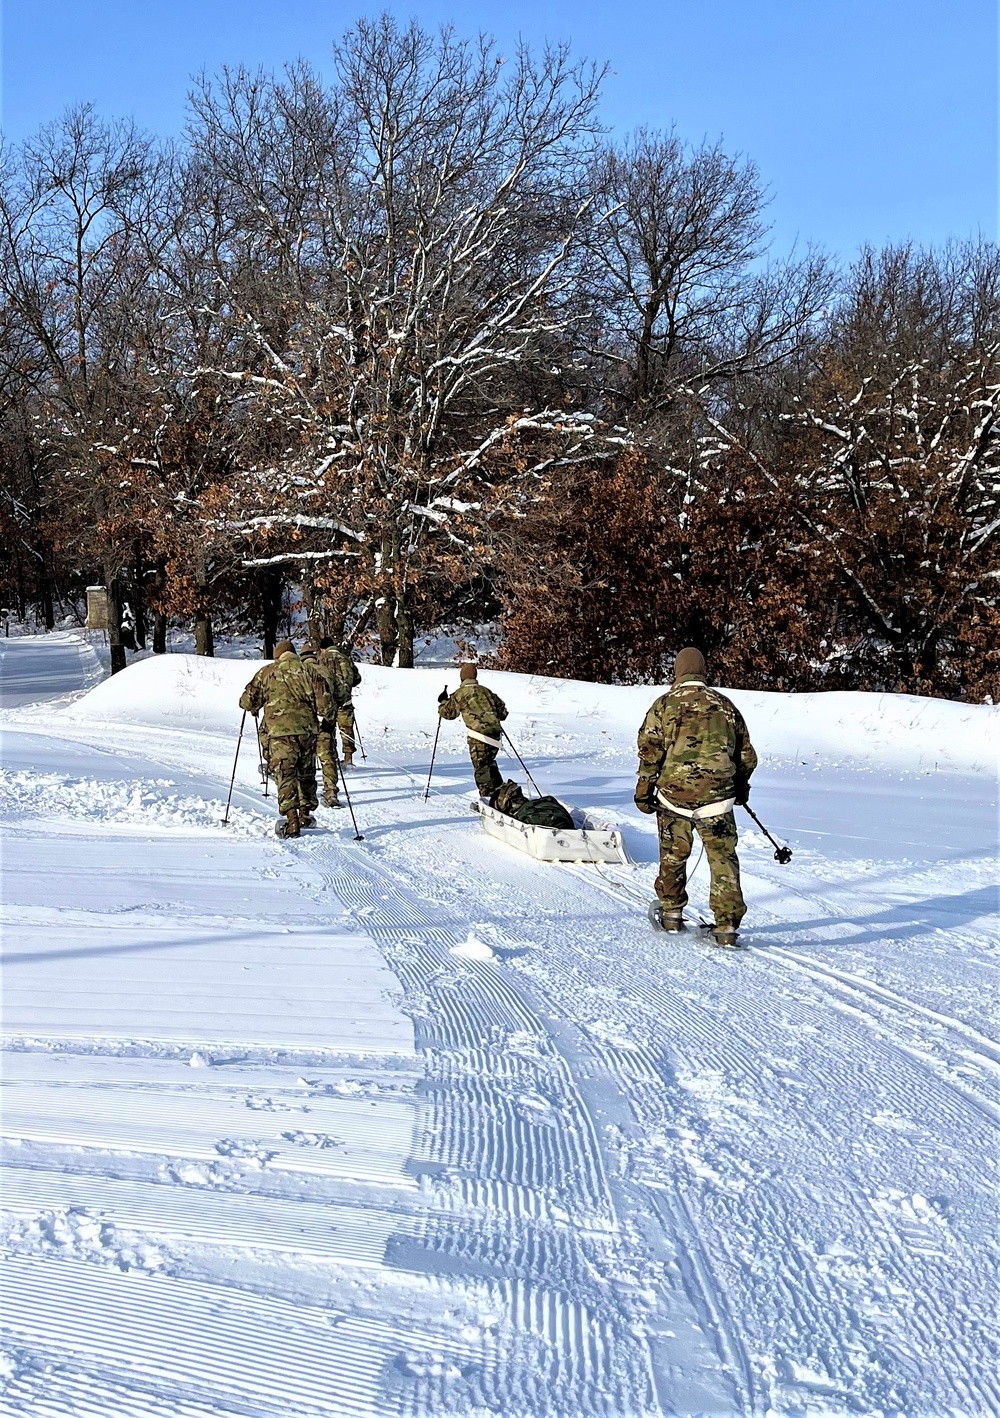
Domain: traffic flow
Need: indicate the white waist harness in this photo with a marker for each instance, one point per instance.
(697, 814)
(493, 743)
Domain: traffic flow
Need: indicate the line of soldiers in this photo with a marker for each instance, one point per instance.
(695, 761)
(299, 702)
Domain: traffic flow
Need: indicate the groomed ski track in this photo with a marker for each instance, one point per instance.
(614, 1173)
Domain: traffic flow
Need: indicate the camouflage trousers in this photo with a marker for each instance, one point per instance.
(264, 740)
(326, 752)
(293, 766)
(345, 723)
(719, 836)
(484, 765)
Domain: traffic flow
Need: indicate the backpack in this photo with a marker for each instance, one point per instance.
(535, 812)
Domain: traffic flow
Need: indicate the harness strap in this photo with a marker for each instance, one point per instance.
(493, 743)
(697, 814)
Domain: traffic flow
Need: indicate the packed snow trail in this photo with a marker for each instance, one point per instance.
(642, 1175)
(43, 667)
(229, 1184)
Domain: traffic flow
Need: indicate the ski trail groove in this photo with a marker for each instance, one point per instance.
(511, 1169)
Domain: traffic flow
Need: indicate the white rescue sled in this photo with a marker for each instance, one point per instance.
(589, 841)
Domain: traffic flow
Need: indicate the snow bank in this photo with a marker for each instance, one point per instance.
(146, 803)
(565, 716)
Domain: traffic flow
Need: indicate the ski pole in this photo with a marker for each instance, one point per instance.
(357, 740)
(343, 783)
(265, 772)
(520, 760)
(781, 854)
(437, 733)
(225, 820)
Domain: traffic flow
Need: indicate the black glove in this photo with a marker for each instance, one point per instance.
(645, 795)
(742, 794)
(444, 696)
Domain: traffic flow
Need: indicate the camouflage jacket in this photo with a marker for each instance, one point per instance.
(695, 746)
(252, 697)
(343, 673)
(293, 694)
(480, 708)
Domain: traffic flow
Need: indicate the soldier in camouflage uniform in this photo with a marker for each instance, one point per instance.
(346, 672)
(339, 685)
(263, 738)
(482, 712)
(294, 698)
(695, 763)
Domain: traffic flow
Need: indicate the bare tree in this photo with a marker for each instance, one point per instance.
(71, 202)
(675, 275)
(414, 223)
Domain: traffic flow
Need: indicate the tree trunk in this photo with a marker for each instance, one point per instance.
(159, 616)
(22, 600)
(313, 629)
(204, 641)
(385, 619)
(139, 597)
(115, 642)
(272, 590)
(404, 630)
(45, 595)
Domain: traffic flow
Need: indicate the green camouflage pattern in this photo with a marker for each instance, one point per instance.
(480, 708)
(250, 695)
(695, 746)
(343, 673)
(293, 765)
(545, 811)
(481, 711)
(484, 766)
(326, 752)
(719, 836)
(345, 723)
(295, 696)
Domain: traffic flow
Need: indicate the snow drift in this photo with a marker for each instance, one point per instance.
(897, 730)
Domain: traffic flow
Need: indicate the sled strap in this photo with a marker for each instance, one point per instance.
(697, 814)
(494, 743)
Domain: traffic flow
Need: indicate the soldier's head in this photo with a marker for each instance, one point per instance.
(307, 653)
(283, 647)
(690, 664)
(327, 643)
(467, 672)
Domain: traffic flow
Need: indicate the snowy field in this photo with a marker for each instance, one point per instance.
(415, 1126)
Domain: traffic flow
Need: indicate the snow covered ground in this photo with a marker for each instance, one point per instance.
(417, 1126)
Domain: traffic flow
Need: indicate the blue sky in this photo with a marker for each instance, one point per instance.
(869, 119)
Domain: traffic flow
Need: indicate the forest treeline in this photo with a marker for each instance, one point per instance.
(420, 344)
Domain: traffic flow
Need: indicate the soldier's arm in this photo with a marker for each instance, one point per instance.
(345, 684)
(355, 675)
(252, 698)
(451, 708)
(499, 706)
(655, 737)
(744, 754)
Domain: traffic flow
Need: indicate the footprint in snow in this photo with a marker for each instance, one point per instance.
(246, 1149)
